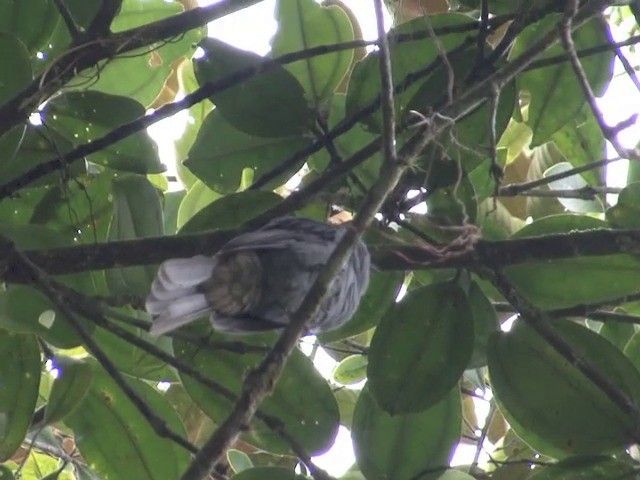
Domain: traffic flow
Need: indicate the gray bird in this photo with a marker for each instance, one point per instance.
(258, 279)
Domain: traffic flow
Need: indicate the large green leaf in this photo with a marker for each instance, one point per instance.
(549, 397)
(137, 213)
(270, 104)
(556, 96)
(131, 359)
(407, 446)
(221, 153)
(19, 379)
(83, 117)
(69, 388)
(118, 441)
(231, 211)
(141, 74)
(566, 282)
(24, 148)
(302, 399)
(32, 22)
(306, 24)
(485, 322)
(16, 67)
(80, 210)
(420, 349)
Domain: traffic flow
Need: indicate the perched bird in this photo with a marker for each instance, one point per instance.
(258, 280)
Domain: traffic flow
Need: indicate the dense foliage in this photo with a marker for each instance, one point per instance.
(501, 213)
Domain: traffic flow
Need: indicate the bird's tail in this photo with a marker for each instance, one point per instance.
(175, 300)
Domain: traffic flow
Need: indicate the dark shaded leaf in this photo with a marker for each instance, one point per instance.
(118, 441)
(221, 152)
(69, 388)
(19, 379)
(420, 349)
(82, 117)
(302, 399)
(546, 399)
(254, 106)
(426, 439)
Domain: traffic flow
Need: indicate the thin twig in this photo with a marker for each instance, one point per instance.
(386, 88)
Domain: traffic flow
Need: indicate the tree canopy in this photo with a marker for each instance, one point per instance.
(466, 148)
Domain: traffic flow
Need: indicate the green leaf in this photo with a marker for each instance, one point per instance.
(6, 473)
(80, 210)
(485, 322)
(268, 473)
(420, 349)
(254, 106)
(588, 468)
(16, 67)
(82, 117)
(133, 360)
(231, 211)
(221, 153)
(549, 398)
(618, 333)
(137, 214)
(238, 460)
(309, 413)
(425, 439)
(32, 22)
(141, 74)
(572, 281)
(28, 147)
(127, 446)
(69, 388)
(381, 293)
(352, 369)
(364, 86)
(556, 96)
(197, 198)
(19, 380)
(626, 213)
(306, 24)
(581, 142)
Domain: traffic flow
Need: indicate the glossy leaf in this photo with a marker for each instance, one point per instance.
(221, 153)
(302, 399)
(306, 24)
(137, 213)
(426, 439)
(550, 398)
(254, 106)
(83, 117)
(127, 446)
(197, 198)
(566, 282)
(19, 378)
(420, 349)
(351, 370)
(69, 388)
(556, 96)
